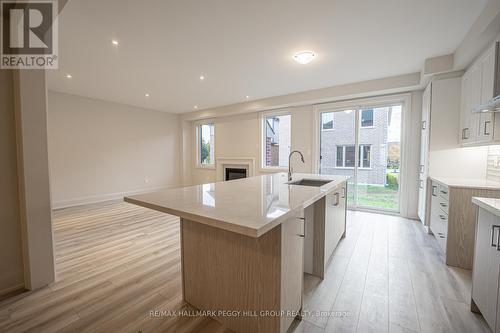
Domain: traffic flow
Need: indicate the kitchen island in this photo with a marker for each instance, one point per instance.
(242, 244)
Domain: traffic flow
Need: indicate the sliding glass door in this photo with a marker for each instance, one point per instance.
(364, 143)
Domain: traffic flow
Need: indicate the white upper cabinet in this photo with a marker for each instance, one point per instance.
(477, 89)
(471, 84)
(487, 62)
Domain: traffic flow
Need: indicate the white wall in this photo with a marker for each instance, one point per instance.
(11, 260)
(100, 150)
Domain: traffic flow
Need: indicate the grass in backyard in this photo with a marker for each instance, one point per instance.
(375, 196)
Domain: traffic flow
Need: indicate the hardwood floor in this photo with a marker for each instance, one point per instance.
(117, 262)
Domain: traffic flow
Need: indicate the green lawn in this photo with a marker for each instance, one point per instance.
(375, 196)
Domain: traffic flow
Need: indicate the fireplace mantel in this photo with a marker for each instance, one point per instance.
(234, 162)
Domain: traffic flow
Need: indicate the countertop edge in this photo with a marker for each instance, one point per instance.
(464, 186)
(479, 201)
(228, 226)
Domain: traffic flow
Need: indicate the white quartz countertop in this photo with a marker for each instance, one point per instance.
(490, 204)
(479, 183)
(250, 206)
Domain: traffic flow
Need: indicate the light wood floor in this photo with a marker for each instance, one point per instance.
(117, 262)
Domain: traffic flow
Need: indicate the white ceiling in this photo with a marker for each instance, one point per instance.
(245, 47)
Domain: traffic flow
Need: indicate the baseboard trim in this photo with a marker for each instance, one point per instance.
(73, 202)
(12, 291)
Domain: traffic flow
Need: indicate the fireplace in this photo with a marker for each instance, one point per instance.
(240, 167)
(234, 173)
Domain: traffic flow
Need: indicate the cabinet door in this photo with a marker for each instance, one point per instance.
(474, 98)
(292, 272)
(486, 266)
(424, 152)
(468, 125)
(340, 224)
(425, 130)
(422, 187)
(487, 63)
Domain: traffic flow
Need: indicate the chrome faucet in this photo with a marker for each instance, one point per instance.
(290, 164)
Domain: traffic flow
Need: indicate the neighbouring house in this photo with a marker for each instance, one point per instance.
(379, 143)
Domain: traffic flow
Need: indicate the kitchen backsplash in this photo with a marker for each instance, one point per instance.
(493, 163)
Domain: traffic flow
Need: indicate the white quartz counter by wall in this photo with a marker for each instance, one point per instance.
(479, 183)
(490, 204)
(250, 206)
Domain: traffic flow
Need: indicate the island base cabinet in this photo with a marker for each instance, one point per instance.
(248, 284)
(485, 275)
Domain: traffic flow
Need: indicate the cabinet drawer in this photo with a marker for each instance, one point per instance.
(443, 192)
(443, 204)
(439, 225)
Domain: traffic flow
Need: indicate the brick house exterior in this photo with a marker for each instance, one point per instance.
(337, 132)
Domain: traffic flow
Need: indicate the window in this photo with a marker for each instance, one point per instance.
(346, 154)
(364, 156)
(206, 145)
(367, 118)
(276, 140)
(327, 121)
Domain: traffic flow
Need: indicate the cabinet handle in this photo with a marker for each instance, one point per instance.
(421, 168)
(442, 217)
(344, 192)
(421, 183)
(465, 133)
(443, 192)
(434, 187)
(304, 234)
(486, 123)
(442, 204)
(493, 235)
(424, 124)
(337, 199)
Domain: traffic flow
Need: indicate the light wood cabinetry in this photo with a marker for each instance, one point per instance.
(452, 219)
(226, 271)
(478, 88)
(485, 275)
(440, 113)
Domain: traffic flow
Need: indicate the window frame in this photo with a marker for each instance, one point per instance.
(361, 119)
(321, 122)
(263, 117)
(360, 158)
(198, 146)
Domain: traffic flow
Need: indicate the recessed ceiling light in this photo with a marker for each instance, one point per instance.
(146, 94)
(196, 106)
(69, 76)
(202, 77)
(115, 42)
(247, 97)
(304, 57)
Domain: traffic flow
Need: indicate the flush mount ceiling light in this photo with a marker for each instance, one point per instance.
(202, 77)
(304, 57)
(195, 107)
(115, 42)
(146, 94)
(69, 76)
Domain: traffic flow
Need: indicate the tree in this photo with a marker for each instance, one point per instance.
(205, 152)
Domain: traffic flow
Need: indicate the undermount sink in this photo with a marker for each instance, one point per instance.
(310, 182)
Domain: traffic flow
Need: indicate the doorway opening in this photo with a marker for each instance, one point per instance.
(365, 144)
